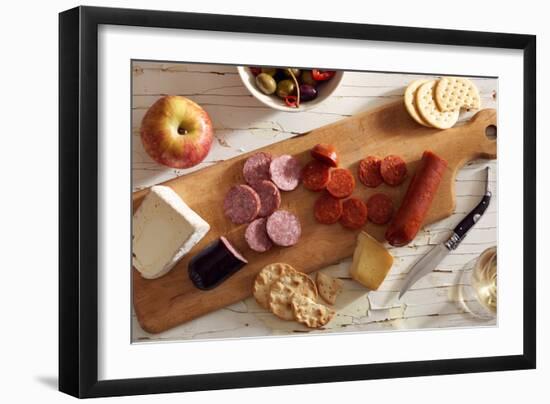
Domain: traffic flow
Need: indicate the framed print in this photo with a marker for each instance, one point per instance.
(241, 194)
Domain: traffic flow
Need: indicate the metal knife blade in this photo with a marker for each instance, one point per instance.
(425, 265)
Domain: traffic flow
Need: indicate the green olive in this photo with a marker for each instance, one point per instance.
(269, 70)
(307, 78)
(295, 71)
(285, 87)
(266, 83)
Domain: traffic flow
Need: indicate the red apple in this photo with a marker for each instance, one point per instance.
(176, 132)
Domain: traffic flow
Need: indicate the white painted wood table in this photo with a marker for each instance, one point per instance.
(243, 124)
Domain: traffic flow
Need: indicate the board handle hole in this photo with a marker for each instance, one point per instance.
(491, 132)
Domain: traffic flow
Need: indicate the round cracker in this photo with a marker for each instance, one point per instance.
(410, 101)
(282, 290)
(310, 313)
(456, 92)
(428, 109)
(265, 279)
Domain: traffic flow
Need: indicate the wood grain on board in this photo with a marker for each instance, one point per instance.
(163, 303)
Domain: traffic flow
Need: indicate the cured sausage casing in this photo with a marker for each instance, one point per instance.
(417, 200)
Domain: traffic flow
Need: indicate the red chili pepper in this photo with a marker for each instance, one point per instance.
(291, 100)
(322, 75)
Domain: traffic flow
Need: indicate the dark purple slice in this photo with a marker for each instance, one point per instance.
(214, 264)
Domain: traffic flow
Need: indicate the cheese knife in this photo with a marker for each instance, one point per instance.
(430, 261)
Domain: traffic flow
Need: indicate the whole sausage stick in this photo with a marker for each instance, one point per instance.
(417, 201)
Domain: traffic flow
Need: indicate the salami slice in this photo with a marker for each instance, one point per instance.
(241, 204)
(354, 213)
(256, 168)
(327, 209)
(283, 228)
(393, 170)
(341, 184)
(256, 235)
(369, 171)
(270, 197)
(315, 175)
(325, 153)
(380, 208)
(285, 172)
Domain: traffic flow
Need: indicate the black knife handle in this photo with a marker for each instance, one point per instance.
(468, 222)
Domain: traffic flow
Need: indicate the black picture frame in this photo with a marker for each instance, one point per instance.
(78, 201)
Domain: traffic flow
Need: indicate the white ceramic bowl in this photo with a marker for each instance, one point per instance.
(272, 101)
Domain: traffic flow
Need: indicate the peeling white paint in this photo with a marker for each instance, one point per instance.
(243, 124)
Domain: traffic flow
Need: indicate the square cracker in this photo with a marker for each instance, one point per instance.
(329, 288)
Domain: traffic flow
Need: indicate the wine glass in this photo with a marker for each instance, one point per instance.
(477, 289)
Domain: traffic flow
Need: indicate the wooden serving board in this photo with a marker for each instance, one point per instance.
(168, 301)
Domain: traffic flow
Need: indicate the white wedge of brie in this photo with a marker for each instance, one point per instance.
(164, 229)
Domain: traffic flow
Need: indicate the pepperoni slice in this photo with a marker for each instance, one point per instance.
(354, 213)
(325, 153)
(327, 209)
(393, 170)
(369, 171)
(380, 208)
(341, 184)
(315, 175)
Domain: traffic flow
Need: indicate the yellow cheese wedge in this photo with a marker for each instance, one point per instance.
(371, 262)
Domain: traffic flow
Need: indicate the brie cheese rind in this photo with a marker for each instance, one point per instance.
(164, 229)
